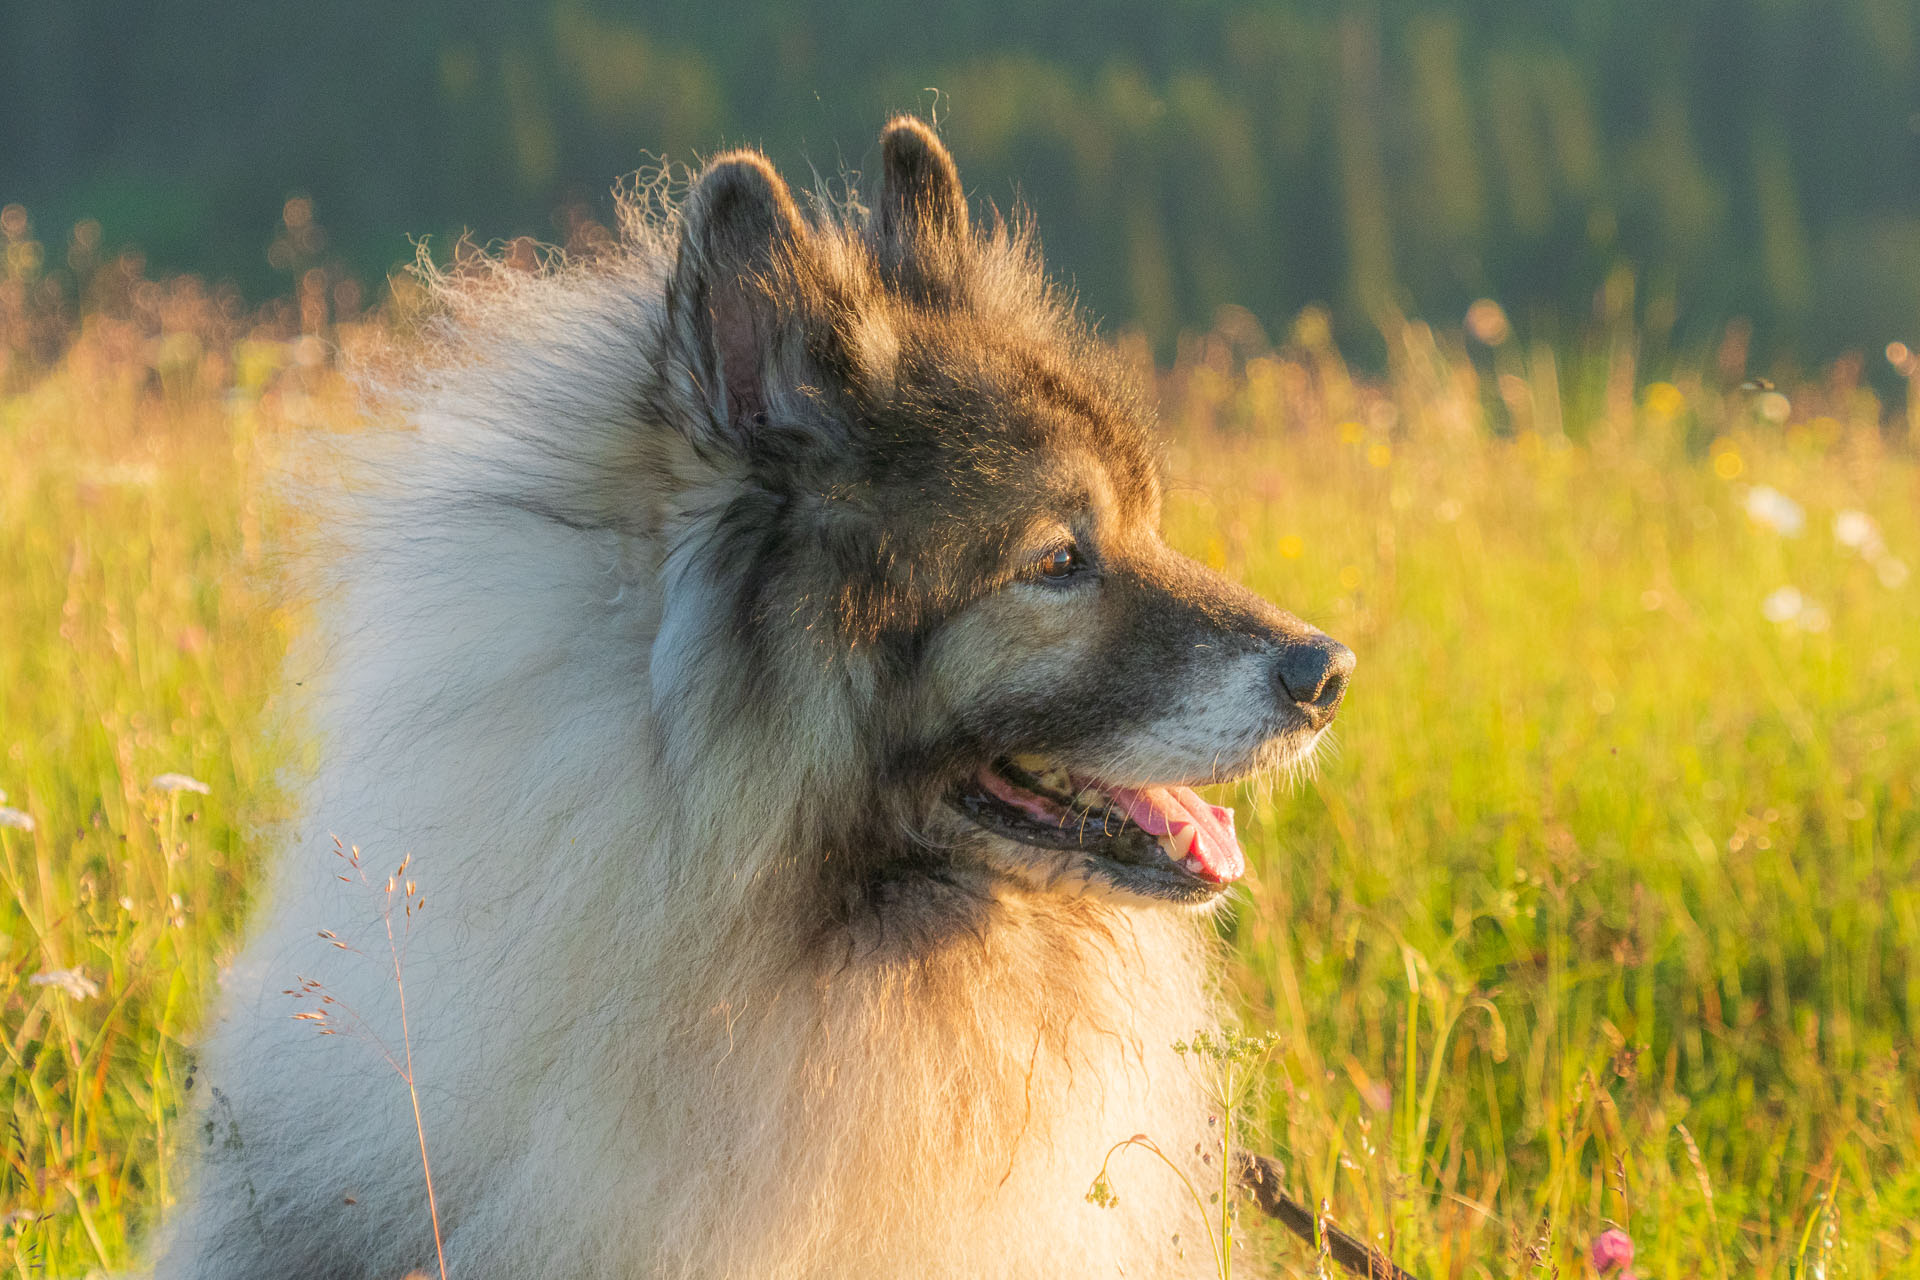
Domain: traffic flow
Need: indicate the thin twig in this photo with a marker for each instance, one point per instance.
(1261, 1177)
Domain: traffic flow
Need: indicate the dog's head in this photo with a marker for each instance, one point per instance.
(938, 508)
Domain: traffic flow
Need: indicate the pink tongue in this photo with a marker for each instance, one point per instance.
(1163, 811)
(1158, 811)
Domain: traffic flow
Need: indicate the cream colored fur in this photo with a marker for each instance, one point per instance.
(634, 1054)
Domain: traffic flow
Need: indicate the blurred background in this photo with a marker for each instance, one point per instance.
(1731, 158)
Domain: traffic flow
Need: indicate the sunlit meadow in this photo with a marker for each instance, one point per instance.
(1603, 912)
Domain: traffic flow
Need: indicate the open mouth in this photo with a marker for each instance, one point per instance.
(1156, 841)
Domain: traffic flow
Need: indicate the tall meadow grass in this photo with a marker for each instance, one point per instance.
(1602, 911)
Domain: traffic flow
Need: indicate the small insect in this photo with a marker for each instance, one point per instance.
(1757, 384)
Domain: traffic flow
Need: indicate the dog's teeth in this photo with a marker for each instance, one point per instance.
(1050, 776)
(1091, 799)
(1179, 842)
(1191, 864)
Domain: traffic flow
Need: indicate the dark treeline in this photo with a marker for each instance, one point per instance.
(1757, 158)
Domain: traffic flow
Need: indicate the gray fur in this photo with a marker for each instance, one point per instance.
(659, 634)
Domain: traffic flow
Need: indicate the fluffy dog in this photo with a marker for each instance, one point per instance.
(763, 644)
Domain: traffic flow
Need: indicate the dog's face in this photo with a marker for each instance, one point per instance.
(1100, 677)
(949, 486)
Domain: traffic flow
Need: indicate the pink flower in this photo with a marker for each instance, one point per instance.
(1613, 1248)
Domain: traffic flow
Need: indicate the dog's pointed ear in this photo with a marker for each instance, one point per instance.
(740, 229)
(920, 195)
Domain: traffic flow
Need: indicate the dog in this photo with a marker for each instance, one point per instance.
(762, 646)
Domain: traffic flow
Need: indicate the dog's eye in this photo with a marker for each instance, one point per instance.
(1059, 564)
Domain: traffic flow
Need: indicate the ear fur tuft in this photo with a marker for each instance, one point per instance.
(920, 193)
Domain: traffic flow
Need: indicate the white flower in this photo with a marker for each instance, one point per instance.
(1790, 607)
(171, 782)
(14, 818)
(1783, 605)
(1892, 570)
(1854, 529)
(1770, 507)
(72, 981)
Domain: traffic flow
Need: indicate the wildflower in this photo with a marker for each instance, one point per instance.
(1783, 605)
(171, 782)
(1487, 321)
(1664, 400)
(1768, 506)
(1613, 1248)
(1854, 529)
(72, 981)
(14, 818)
(1790, 607)
(1773, 406)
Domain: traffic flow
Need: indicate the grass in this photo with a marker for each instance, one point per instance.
(1603, 911)
(138, 637)
(1605, 908)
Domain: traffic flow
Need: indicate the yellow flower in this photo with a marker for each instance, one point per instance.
(1664, 400)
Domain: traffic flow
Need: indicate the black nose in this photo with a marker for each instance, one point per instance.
(1313, 673)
